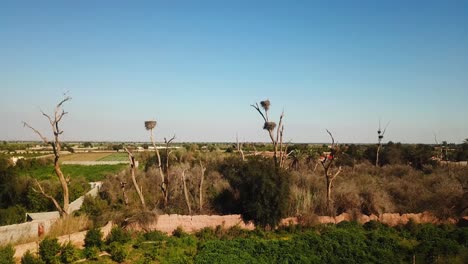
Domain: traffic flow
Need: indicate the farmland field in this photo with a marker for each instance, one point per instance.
(90, 173)
(95, 156)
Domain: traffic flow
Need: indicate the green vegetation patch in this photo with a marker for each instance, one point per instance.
(90, 173)
(115, 157)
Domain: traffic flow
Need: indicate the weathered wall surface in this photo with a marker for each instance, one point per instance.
(168, 223)
(14, 233)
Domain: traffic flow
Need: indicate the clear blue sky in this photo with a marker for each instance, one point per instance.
(196, 66)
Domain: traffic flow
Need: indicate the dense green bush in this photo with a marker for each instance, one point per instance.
(91, 253)
(118, 252)
(263, 189)
(30, 258)
(69, 253)
(118, 235)
(7, 254)
(93, 238)
(49, 250)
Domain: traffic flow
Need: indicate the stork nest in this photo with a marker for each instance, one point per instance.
(150, 125)
(265, 104)
(269, 126)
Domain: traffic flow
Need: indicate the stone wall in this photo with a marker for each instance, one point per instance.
(24, 231)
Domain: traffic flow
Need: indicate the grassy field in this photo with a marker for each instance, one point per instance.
(90, 173)
(115, 157)
(95, 156)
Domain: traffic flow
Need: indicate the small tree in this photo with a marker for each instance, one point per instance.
(262, 188)
(327, 164)
(54, 121)
(276, 139)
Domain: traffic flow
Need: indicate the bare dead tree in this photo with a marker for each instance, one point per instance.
(276, 139)
(239, 148)
(133, 166)
(184, 184)
(380, 135)
(54, 121)
(150, 125)
(202, 176)
(327, 164)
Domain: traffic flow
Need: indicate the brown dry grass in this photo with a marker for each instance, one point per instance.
(68, 225)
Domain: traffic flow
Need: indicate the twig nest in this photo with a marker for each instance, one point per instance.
(265, 104)
(150, 125)
(269, 126)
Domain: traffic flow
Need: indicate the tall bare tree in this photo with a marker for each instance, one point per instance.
(133, 166)
(276, 139)
(239, 148)
(202, 177)
(186, 195)
(380, 135)
(163, 168)
(330, 174)
(54, 121)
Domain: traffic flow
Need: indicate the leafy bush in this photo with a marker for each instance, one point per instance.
(118, 252)
(7, 254)
(93, 238)
(69, 253)
(49, 250)
(263, 189)
(30, 258)
(91, 253)
(118, 235)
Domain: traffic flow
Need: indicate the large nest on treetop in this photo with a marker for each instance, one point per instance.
(150, 125)
(265, 104)
(269, 126)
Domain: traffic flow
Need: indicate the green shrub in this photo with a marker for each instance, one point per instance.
(49, 250)
(263, 189)
(91, 253)
(119, 235)
(30, 258)
(179, 232)
(118, 252)
(69, 253)
(7, 254)
(154, 236)
(93, 238)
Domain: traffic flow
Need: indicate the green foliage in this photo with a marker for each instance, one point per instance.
(118, 252)
(49, 250)
(69, 253)
(118, 235)
(30, 258)
(7, 254)
(90, 173)
(263, 189)
(93, 238)
(91, 253)
(12, 215)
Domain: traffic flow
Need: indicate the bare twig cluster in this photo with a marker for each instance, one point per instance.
(276, 139)
(327, 163)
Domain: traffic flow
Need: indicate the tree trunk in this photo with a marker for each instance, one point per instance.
(187, 201)
(63, 183)
(377, 155)
(201, 185)
(161, 172)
